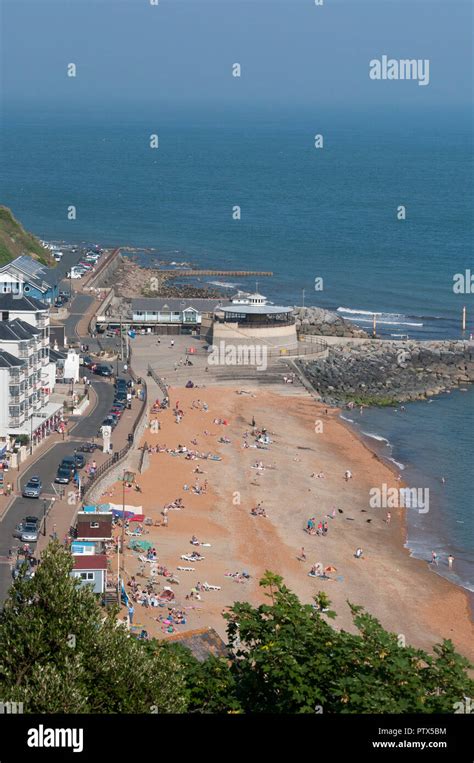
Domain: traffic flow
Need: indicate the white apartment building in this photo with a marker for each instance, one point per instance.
(27, 376)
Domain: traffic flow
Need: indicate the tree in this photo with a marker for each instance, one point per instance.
(289, 659)
(61, 652)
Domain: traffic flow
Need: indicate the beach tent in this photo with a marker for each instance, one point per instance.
(140, 545)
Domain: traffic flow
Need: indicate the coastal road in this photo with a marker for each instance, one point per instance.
(46, 466)
(79, 306)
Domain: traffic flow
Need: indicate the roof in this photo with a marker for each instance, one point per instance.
(159, 304)
(17, 330)
(256, 309)
(9, 361)
(202, 642)
(21, 304)
(90, 562)
(56, 355)
(39, 275)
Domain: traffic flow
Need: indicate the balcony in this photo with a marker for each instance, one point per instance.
(42, 321)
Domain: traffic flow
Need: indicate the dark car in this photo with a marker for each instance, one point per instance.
(102, 370)
(78, 461)
(88, 362)
(32, 488)
(120, 396)
(121, 382)
(63, 476)
(119, 404)
(114, 416)
(89, 447)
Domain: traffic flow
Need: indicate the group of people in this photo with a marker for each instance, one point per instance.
(322, 528)
(258, 510)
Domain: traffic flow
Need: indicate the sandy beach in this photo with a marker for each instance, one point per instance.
(306, 441)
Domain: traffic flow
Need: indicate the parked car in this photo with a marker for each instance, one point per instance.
(86, 265)
(109, 421)
(73, 462)
(63, 476)
(32, 488)
(103, 370)
(74, 274)
(117, 409)
(27, 530)
(88, 362)
(89, 447)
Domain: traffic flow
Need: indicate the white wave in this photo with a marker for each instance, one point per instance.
(385, 323)
(224, 284)
(377, 437)
(346, 418)
(354, 312)
(397, 463)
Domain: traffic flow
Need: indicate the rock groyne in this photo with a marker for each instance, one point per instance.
(383, 372)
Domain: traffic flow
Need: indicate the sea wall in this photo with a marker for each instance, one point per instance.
(383, 372)
(315, 320)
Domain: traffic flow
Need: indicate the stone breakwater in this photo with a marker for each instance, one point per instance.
(383, 372)
(315, 320)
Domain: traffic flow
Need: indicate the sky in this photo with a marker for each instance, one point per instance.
(293, 54)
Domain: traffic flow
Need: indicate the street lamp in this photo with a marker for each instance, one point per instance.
(123, 521)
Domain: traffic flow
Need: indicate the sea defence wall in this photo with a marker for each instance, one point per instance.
(283, 336)
(385, 372)
(315, 320)
(105, 269)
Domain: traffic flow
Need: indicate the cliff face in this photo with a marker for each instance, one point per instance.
(14, 241)
(375, 372)
(315, 320)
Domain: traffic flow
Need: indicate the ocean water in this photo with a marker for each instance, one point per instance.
(305, 214)
(428, 441)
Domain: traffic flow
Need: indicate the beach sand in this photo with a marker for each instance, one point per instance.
(402, 592)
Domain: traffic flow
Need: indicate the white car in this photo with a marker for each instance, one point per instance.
(73, 274)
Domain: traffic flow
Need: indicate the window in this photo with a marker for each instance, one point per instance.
(5, 315)
(87, 576)
(94, 525)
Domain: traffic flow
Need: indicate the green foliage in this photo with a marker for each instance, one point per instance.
(14, 241)
(285, 657)
(62, 653)
(289, 659)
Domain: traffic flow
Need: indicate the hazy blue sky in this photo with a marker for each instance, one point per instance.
(181, 51)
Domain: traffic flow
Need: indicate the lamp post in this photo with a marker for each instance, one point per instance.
(44, 516)
(123, 520)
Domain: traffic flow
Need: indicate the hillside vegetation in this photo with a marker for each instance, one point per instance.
(14, 241)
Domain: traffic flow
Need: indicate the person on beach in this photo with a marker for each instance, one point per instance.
(302, 554)
(347, 475)
(450, 561)
(389, 517)
(434, 558)
(358, 553)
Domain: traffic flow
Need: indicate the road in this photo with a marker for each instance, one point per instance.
(80, 429)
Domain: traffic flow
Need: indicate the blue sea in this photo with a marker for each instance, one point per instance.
(306, 213)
